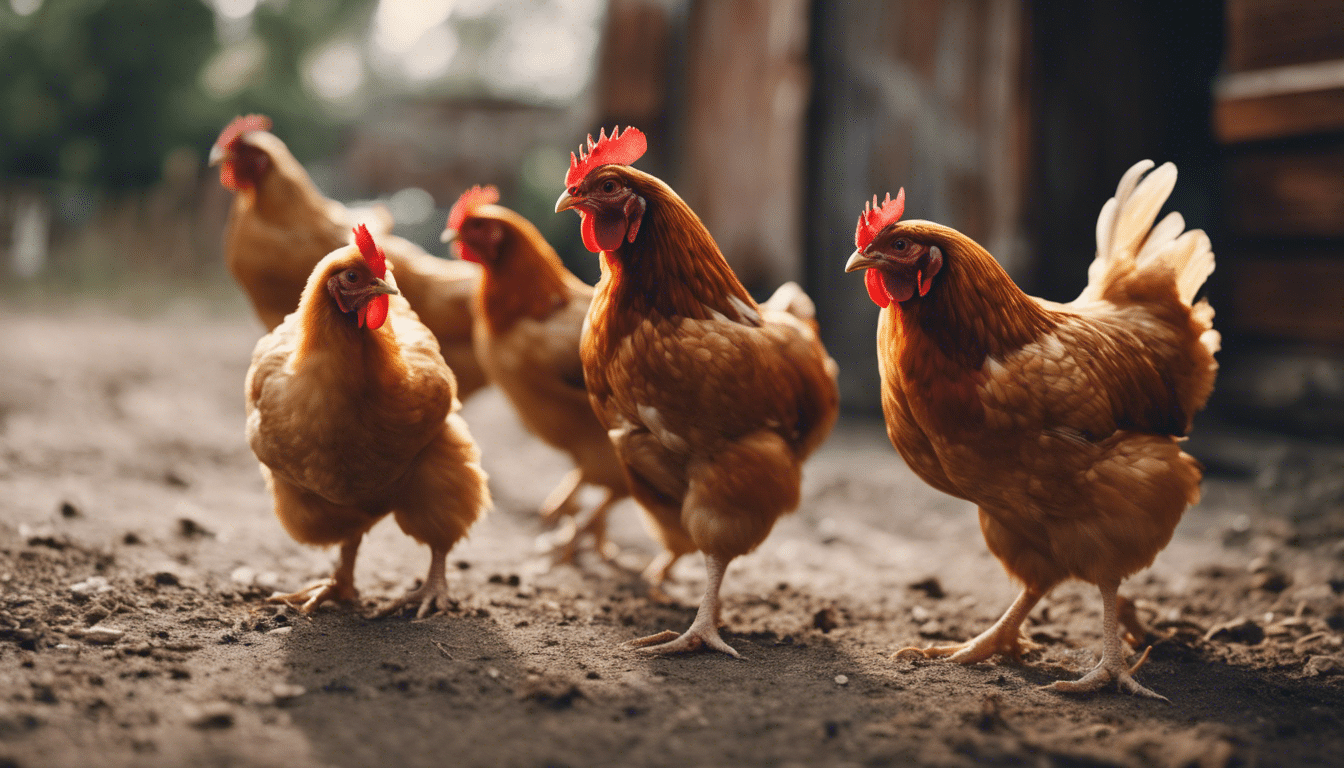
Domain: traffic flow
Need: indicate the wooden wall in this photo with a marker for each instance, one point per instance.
(927, 95)
(1280, 114)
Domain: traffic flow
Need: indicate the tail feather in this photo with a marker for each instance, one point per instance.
(1129, 244)
(791, 298)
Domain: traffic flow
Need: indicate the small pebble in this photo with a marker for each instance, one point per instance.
(100, 635)
(281, 631)
(1320, 666)
(94, 585)
(217, 714)
(842, 680)
(287, 691)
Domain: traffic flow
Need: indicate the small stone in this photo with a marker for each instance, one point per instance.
(1321, 666)
(281, 631)
(287, 691)
(190, 529)
(825, 620)
(931, 587)
(100, 635)
(1241, 630)
(931, 628)
(132, 539)
(493, 673)
(94, 585)
(842, 680)
(167, 579)
(1270, 580)
(69, 510)
(217, 714)
(920, 613)
(243, 575)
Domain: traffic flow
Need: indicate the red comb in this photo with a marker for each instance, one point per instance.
(373, 255)
(469, 201)
(240, 125)
(876, 217)
(619, 148)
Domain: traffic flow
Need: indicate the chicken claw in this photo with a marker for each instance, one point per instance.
(704, 631)
(340, 587)
(698, 637)
(1004, 638)
(1104, 673)
(432, 595)
(307, 600)
(1113, 665)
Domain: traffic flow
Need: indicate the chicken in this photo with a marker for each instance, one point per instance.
(1060, 421)
(712, 402)
(530, 312)
(353, 415)
(280, 226)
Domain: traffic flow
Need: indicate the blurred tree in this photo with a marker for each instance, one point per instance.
(99, 93)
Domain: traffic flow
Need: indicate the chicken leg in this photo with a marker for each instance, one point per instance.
(560, 502)
(595, 526)
(432, 595)
(1004, 637)
(704, 631)
(341, 585)
(1113, 665)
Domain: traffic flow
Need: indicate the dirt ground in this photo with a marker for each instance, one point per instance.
(137, 545)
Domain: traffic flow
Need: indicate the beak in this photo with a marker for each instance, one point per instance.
(448, 236)
(380, 286)
(217, 155)
(858, 260)
(567, 202)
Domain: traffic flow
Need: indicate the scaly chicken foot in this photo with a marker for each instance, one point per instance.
(704, 631)
(1004, 638)
(1113, 665)
(340, 587)
(431, 596)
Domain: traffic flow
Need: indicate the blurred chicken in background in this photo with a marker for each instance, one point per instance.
(529, 318)
(280, 226)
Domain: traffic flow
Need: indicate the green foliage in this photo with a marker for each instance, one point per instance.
(99, 92)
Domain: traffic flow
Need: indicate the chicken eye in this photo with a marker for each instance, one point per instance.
(609, 186)
(352, 276)
(899, 245)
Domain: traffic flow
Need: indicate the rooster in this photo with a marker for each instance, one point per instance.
(1060, 421)
(530, 312)
(353, 415)
(280, 225)
(712, 401)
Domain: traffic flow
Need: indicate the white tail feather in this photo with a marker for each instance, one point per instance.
(791, 298)
(1128, 242)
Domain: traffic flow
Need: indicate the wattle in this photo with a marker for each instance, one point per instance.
(374, 313)
(885, 288)
(602, 234)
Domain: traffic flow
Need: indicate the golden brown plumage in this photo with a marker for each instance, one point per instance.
(1060, 421)
(280, 226)
(353, 420)
(530, 312)
(712, 402)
